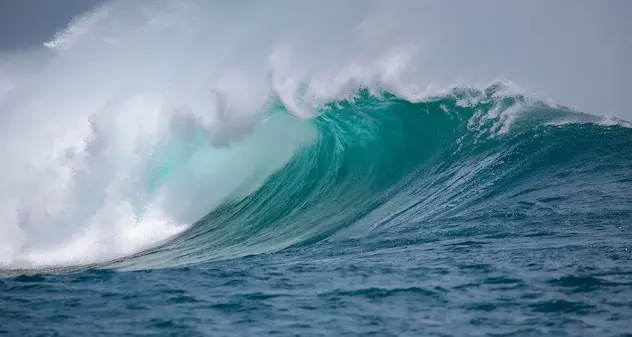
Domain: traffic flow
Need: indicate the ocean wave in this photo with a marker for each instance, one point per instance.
(180, 131)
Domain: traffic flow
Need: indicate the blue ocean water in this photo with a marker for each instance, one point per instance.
(475, 213)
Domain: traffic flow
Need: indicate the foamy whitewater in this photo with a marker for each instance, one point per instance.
(324, 168)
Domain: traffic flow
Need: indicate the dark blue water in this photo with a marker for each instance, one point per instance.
(473, 214)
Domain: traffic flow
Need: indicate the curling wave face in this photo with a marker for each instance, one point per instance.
(384, 165)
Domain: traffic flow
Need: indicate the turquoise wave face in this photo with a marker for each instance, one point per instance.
(381, 165)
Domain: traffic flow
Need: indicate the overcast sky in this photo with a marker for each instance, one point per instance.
(25, 23)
